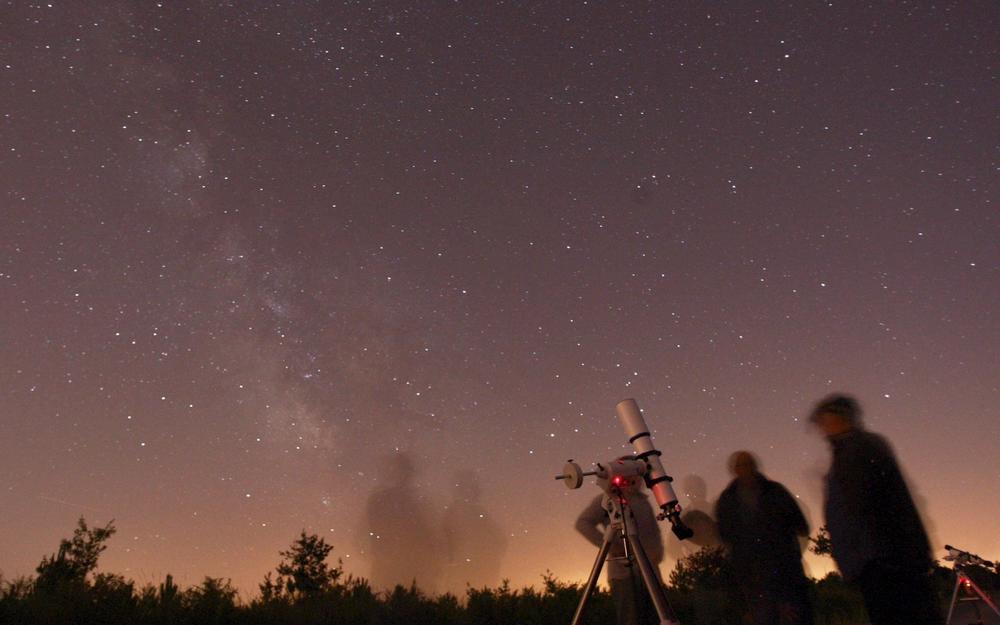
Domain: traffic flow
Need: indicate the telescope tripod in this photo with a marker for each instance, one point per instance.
(622, 526)
(964, 581)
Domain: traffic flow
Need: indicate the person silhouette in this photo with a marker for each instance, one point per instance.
(402, 539)
(877, 536)
(473, 542)
(696, 513)
(760, 523)
(633, 605)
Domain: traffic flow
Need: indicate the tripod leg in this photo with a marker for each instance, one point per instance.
(653, 585)
(595, 573)
(954, 598)
(984, 597)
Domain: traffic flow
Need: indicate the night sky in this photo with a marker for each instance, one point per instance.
(350, 266)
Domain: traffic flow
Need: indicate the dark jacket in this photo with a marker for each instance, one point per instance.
(869, 511)
(763, 539)
(594, 519)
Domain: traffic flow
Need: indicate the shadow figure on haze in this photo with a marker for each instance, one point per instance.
(474, 543)
(402, 538)
(698, 516)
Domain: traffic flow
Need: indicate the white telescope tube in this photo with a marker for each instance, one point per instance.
(638, 434)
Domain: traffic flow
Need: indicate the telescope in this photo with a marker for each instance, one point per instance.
(645, 464)
(615, 477)
(964, 558)
(963, 562)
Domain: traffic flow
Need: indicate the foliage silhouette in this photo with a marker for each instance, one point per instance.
(305, 590)
(76, 558)
(706, 569)
(821, 544)
(303, 572)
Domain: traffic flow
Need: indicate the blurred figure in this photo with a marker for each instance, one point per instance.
(696, 514)
(633, 605)
(402, 541)
(761, 523)
(474, 543)
(879, 542)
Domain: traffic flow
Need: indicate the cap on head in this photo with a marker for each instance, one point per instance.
(844, 406)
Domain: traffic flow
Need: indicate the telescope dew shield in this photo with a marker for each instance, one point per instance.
(656, 478)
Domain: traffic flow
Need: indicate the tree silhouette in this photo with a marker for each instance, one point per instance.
(77, 557)
(303, 572)
(821, 545)
(214, 601)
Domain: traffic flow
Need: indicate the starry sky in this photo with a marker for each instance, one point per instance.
(263, 264)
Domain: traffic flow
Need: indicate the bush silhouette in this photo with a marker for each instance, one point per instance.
(304, 589)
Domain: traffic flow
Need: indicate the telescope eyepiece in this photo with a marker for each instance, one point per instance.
(680, 530)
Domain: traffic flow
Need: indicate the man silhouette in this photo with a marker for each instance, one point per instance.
(761, 523)
(878, 540)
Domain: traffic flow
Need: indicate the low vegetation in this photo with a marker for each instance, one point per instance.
(305, 589)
